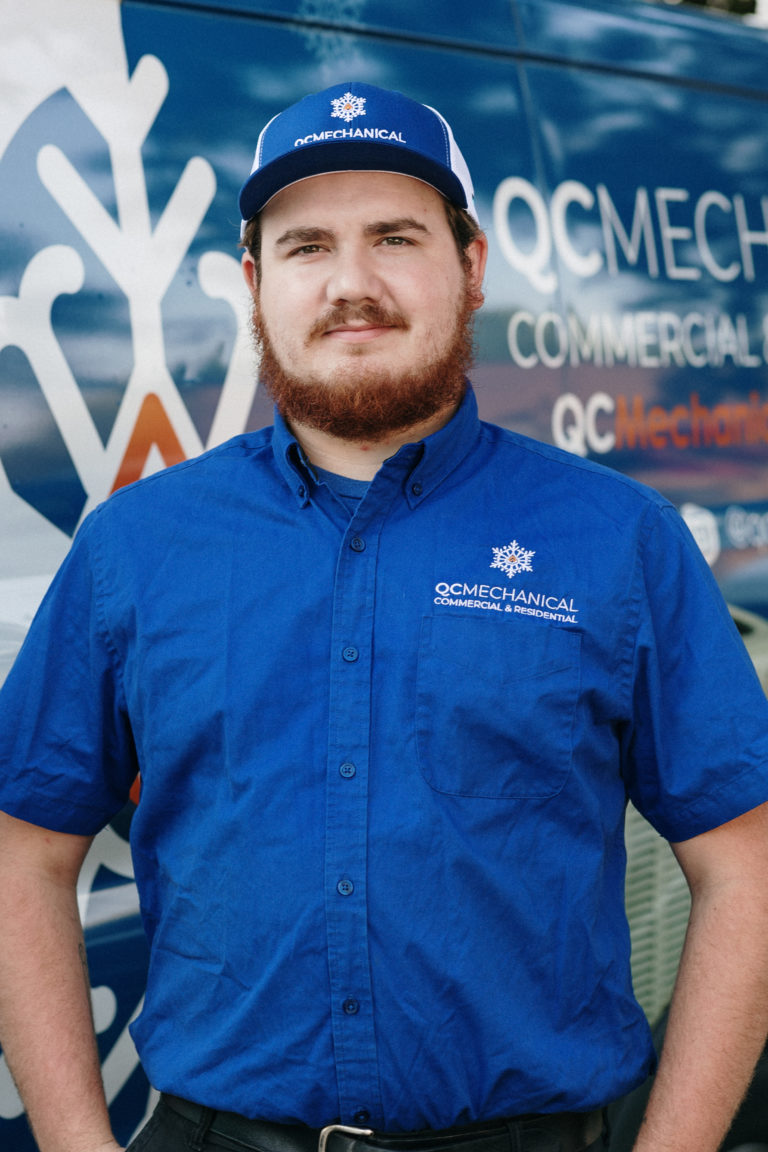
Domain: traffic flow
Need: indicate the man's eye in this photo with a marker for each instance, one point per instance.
(305, 250)
(396, 241)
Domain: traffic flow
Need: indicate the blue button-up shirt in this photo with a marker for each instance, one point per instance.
(385, 764)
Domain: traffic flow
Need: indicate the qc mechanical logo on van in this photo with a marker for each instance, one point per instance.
(702, 248)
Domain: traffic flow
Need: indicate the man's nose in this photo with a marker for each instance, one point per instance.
(353, 277)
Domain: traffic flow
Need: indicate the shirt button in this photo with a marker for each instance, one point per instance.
(345, 887)
(357, 544)
(347, 770)
(417, 488)
(351, 1006)
(302, 491)
(350, 654)
(362, 1116)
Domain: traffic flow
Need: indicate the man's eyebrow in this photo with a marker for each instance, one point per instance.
(303, 236)
(399, 224)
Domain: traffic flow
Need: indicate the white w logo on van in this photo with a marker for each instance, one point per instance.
(152, 425)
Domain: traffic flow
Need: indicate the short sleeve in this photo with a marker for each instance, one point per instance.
(696, 750)
(67, 758)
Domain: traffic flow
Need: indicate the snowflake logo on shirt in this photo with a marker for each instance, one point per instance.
(347, 107)
(512, 559)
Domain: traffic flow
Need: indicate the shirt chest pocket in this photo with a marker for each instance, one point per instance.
(495, 706)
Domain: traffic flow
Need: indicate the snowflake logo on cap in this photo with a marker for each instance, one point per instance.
(512, 559)
(347, 107)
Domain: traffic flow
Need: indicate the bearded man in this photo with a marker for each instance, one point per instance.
(390, 675)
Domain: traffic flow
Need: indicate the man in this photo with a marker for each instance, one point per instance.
(389, 675)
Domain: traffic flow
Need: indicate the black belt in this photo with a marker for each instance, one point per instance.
(558, 1132)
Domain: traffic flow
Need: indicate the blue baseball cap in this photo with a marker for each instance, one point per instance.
(356, 127)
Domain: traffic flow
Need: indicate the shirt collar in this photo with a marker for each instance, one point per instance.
(291, 461)
(428, 461)
(443, 451)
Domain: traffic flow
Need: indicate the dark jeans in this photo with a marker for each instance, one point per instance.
(166, 1131)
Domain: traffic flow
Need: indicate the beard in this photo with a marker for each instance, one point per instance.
(362, 402)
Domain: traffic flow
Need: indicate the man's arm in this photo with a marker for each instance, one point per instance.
(719, 1015)
(46, 1029)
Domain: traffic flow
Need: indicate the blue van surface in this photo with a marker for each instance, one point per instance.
(619, 151)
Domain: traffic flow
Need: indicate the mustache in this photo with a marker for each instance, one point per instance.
(370, 313)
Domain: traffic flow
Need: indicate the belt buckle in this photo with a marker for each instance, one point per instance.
(345, 1128)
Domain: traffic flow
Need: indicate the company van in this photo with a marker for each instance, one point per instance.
(620, 156)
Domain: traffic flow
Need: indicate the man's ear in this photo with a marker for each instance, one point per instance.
(477, 255)
(250, 272)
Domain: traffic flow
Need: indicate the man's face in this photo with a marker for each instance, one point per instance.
(363, 305)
